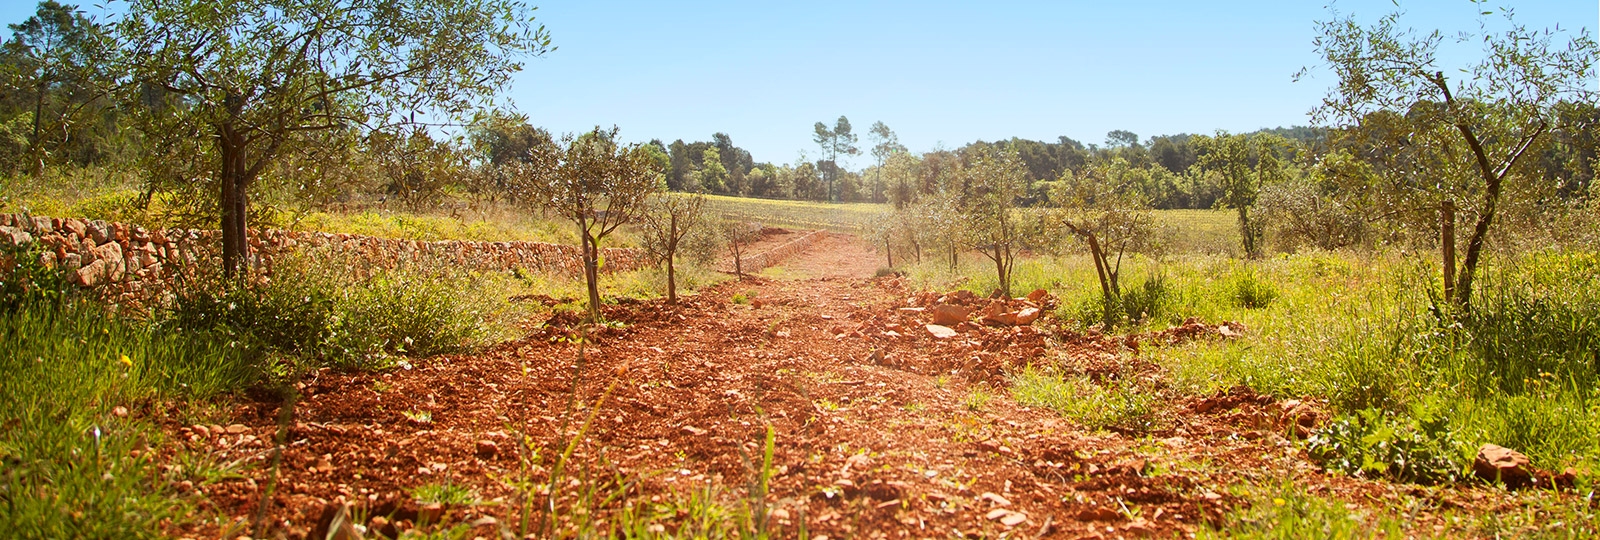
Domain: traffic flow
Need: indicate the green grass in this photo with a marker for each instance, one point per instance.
(1520, 371)
(642, 284)
(840, 217)
(1358, 328)
(446, 493)
(1214, 232)
(73, 468)
(316, 308)
(111, 195)
(977, 398)
(93, 193)
(1112, 403)
(501, 225)
(1287, 512)
(1198, 231)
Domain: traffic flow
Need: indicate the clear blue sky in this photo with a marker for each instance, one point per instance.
(941, 72)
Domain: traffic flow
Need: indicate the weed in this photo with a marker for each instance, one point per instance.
(1248, 290)
(1109, 404)
(1148, 301)
(977, 398)
(1415, 448)
(316, 310)
(1287, 512)
(445, 493)
(204, 468)
(73, 469)
(26, 282)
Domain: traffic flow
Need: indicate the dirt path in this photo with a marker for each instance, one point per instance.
(881, 430)
(835, 257)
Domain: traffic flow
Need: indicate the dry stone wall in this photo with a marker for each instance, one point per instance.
(130, 260)
(759, 261)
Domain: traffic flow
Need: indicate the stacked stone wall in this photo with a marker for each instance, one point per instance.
(759, 261)
(128, 260)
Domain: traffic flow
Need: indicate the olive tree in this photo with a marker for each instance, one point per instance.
(1105, 211)
(669, 219)
(995, 179)
(229, 87)
(737, 235)
(938, 224)
(596, 184)
(1461, 130)
(1244, 165)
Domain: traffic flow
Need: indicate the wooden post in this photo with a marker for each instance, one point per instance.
(1447, 239)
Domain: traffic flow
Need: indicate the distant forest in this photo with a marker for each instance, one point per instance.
(720, 167)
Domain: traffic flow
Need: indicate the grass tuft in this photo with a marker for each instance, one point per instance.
(1108, 404)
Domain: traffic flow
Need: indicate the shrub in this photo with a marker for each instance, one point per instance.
(24, 281)
(702, 246)
(288, 316)
(1419, 447)
(1298, 215)
(316, 312)
(1146, 302)
(415, 313)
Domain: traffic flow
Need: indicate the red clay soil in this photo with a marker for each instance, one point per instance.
(882, 430)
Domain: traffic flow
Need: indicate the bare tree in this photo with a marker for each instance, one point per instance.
(593, 182)
(668, 219)
(738, 235)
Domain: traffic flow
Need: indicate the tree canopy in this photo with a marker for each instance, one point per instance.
(229, 88)
(1440, 134)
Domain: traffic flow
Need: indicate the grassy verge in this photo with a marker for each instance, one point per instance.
(318, 309)
(79, 386)
(1288, 511)
(76, 389)
(1519, 370)
(1361, 330)
(636, 285)
(497, 224)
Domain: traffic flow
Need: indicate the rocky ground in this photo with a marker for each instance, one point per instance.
(883, 426)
